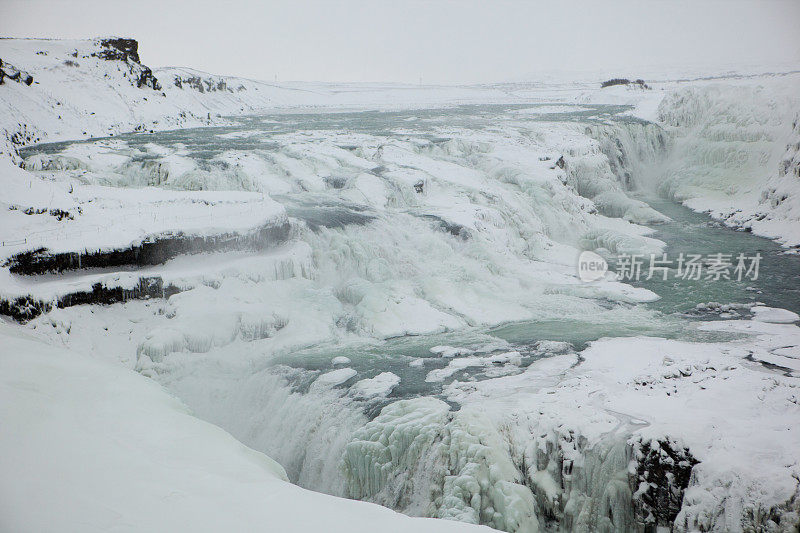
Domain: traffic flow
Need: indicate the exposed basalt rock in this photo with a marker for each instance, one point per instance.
(148, 287)
(204, 85)
(127, 51)
(146, 79)
(663, 471)
(156, 250)
(23, 136)
(624, 81)
(119, 49)
(25, 308)
(60, 214)
(12, 73)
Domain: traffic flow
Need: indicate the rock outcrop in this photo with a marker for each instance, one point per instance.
(127, 51)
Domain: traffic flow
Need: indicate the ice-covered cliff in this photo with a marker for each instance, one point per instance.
(734, 153)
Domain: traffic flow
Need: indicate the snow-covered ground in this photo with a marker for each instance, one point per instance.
(88, 445)
(353, 252)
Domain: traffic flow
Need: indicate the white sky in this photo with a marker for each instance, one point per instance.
(440, 41)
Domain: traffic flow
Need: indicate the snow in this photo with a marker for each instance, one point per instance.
(775, 316)
(440, 229)
(96, 444)
(508, 360)
(379, 386)
(450, 351)
(335, 377)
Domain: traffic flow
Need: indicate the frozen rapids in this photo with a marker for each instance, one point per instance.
(432, 258)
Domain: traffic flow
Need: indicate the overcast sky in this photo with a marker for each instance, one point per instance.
(439, 41)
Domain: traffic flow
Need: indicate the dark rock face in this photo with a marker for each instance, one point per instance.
(146, 79)
(663, 471)
(8, 71)
(127, 51)
(155, 251)
(624, 81)
(25, 308)
(119, 49)
(204, 85)
(148, 287)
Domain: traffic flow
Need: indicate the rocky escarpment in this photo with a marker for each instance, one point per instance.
(734, 154)
(14, 74)
(127, 51)
(205, 84)
(788, 172)
(25, 308)
(791, 161)
(153, 251)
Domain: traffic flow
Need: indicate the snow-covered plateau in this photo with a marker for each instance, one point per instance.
(231, 304)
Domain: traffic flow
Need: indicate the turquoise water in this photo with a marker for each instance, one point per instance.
(206, 143)
(676, 316)
(777, 284)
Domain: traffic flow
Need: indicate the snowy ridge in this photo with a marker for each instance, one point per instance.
(87, 88)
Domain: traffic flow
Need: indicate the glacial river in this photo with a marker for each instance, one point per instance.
(325, 217)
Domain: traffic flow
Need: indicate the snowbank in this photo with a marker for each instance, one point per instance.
(100, 447)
